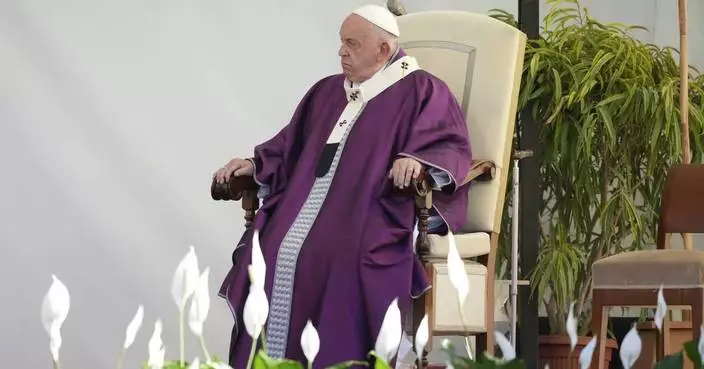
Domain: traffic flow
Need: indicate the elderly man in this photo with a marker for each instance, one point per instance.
(337, 242)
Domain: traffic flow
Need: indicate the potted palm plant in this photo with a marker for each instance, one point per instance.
(607, 108)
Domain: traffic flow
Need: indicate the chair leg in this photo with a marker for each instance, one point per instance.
(599, 327)
(697, 313)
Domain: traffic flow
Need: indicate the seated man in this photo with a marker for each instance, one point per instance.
(338, 244)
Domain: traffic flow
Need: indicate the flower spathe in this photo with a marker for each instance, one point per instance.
(456, 271)
(157, 350)
(507, 350)
(630, 348)
(310, 342)
(585, 357)
(195, 364)
(185, 278)
(133, 327)
(390, 333)
(422, 336)
(661, 309)
(200, 304)
(256, 310)
(55, 308)
(571, 327)
(257, 269)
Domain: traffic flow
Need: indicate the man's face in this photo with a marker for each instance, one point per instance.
(362, 51)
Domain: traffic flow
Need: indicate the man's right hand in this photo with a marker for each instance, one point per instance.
(238, 167)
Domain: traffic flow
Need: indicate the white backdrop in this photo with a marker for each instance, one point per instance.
(114, 115)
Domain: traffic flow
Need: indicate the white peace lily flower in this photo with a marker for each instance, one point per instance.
(509, 353)
(456, 271)
(185, 278)
(389, 337)
(200, 304)
(133, 327)
(195, 364)
(310, 343)
(256, 310)
(55, 307)
(422, 336)
(585, 357)
(661, 310)
(571, 326)
(630, 348)
(157, 350)
(257, 270)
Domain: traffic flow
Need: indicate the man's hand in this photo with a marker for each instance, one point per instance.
(403, 170)
(238, 167)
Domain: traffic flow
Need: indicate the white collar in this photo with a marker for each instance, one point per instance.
(381, 80)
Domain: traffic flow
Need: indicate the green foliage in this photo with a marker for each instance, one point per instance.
(608, 114)
(262, 361)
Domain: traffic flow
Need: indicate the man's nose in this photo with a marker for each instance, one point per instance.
(342, 51)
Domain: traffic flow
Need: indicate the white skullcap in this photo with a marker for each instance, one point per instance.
(380, 16)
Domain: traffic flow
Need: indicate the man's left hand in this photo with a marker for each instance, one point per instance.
(403, 170)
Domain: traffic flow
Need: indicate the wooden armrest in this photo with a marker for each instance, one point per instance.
(234, 188)
(481, 170)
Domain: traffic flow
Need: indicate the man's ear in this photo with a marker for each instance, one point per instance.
(384, 51)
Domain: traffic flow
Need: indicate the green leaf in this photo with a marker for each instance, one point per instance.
(348, 364)
(692, 350)
(675, 361)
(379, 362)
(263, 361)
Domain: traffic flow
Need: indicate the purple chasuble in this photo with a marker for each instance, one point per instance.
(357, 255)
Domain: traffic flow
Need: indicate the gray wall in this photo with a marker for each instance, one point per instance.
(114, 116)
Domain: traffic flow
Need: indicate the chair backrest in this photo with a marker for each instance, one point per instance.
(481, 60)
(682, 209)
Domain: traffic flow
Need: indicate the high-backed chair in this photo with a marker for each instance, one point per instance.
(481, 60)
(634, 278)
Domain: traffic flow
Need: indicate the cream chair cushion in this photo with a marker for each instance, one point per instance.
(446, 318)
(469, 245)
(649, 269)
(481, 60)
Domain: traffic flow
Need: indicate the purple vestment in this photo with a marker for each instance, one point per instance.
(358, 255)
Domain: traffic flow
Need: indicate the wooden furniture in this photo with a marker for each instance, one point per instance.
(481, 57)
(674, 336)
(634, 278)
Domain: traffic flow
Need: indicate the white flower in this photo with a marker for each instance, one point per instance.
(185, 278)
(310, 342)
(422, 336)
(156, 347)
(661, 310)
(390, 333)
(200, 304)
(571, 326)
(509, 353)
(55, 307)
(256, 310)
(257, 270)
(133, 327)
(630, 348)
(585, 357)
(456, 271)
(195, 364)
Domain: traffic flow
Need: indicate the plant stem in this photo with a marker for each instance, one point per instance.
(203, 347)
(120, 359)
(181, 336)
(250, 361)
(56, 365)
(466, 338)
